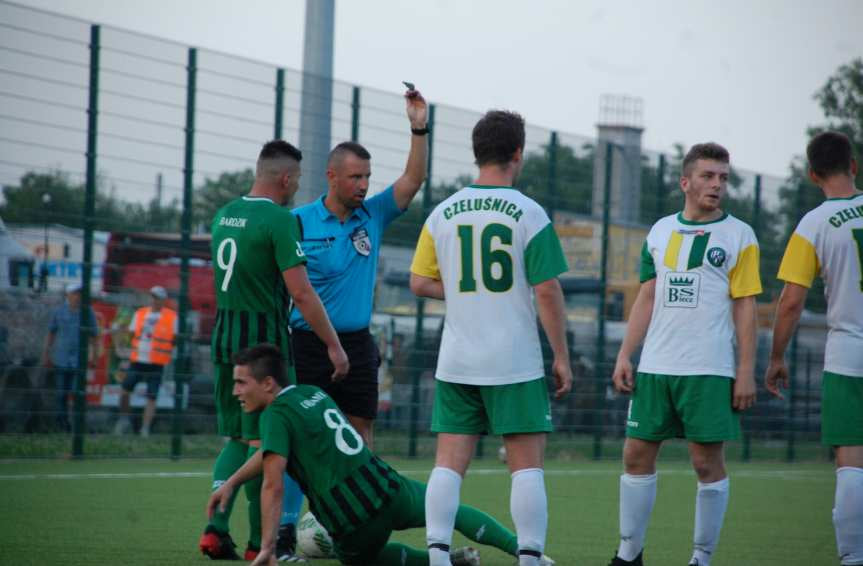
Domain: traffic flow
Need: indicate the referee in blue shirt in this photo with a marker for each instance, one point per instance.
(341, 236)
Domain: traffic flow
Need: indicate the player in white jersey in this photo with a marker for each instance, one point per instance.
(699, 274)
(488, 249)
(828, 242)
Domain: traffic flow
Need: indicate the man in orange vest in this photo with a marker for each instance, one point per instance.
(154, 330)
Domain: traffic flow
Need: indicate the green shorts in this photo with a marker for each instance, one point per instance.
(695, 407)
(233, 421)
(406, 510)
(841, 410)
(496, 409)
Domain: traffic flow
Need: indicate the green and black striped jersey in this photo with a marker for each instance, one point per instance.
(346, 485)
(254, 241)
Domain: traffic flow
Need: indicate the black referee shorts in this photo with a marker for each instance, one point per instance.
(357, 393)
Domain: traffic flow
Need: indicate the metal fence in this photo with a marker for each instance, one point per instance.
(116, 148)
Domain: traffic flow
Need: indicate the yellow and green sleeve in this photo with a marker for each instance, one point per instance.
(744, 279)
(800, 262)
(425, 258)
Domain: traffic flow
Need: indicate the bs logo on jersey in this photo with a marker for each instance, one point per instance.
(681, 289)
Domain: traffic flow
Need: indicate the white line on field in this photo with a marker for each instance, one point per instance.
(797, 475)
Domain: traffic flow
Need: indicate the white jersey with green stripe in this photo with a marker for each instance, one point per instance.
(489, 246)
(828, 242)
(700, 268)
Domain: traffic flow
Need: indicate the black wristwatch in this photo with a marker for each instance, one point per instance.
(420, 131)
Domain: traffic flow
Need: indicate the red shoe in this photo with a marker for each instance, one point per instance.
(251, 553)
(217, 545)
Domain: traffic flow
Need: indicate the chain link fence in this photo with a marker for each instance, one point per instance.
(117, 148)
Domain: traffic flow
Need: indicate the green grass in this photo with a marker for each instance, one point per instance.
(388, 443)
(64, 512)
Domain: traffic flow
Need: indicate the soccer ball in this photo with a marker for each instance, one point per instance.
(313, 540)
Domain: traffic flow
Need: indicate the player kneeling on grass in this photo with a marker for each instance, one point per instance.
(356, 496)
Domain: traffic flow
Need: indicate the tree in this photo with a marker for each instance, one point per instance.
(24, 204)
(571, 189)
(216, 193)
(841, 99)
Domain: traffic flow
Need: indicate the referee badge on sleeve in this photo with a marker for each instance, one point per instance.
(362, 243)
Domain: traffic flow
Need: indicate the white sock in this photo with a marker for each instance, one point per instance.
(637, 495)
(529, 508)
(711, 501)
(442, 496)
(848, 515)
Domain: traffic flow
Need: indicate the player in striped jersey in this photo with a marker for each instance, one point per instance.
(259, 267)
(699, 274)
(828, 242)
(354, 494)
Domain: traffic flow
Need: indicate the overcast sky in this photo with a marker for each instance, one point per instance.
(740, 72)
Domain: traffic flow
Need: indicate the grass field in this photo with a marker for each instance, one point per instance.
(151, 512)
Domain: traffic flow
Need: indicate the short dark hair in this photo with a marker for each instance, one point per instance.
(280, 148)
(263, 360)
(497, 136)
(709, 150)
(348, 147)
(830, 153)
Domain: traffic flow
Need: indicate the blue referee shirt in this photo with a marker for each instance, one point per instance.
(343, 258)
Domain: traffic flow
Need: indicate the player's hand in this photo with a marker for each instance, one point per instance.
(266, 557)
(562, 373)
(622, 376)
(776, 378)
(339, 359)
(417, 109)
(744, 391)
(219, 499)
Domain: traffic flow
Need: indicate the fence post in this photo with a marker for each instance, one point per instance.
(792, 370)
(418, 330)
(660, 187)
(808, 391)
(599, 365)
(552, 175)
(746, 454)
(87, 323)
(756, 207)
(280, 103)
(181, 375)
(355, 114)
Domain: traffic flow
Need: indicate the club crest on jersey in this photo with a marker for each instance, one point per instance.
(362, 242)
(716, 256)
(682, 289)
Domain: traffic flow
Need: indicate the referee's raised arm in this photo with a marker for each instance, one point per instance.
(405, 188)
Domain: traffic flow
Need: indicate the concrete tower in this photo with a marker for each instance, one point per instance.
(620, 123)
(317, 98)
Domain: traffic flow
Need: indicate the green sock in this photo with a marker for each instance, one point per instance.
(398, 554)
(253, 494)
(483, 528)
(230, 459)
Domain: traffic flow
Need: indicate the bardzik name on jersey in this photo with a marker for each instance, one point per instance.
(254, 241)
(828, 241)
(700, 268)
(489, 246)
